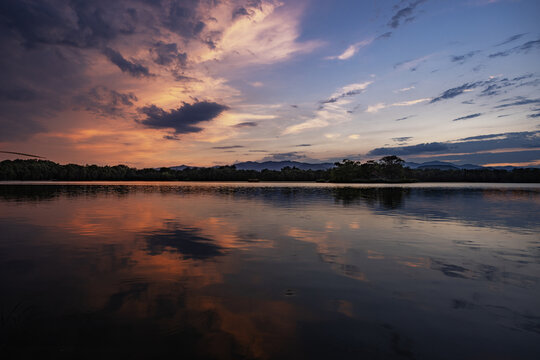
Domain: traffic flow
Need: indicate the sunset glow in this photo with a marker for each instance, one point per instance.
(163, 83)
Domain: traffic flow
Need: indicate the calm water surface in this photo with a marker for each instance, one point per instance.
(269, 271)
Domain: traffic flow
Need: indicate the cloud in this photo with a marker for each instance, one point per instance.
(103, 101)
(511, 39)
(331, 111)
(183, 120)
(348, 90)
(294, 155)
(411, 102)
(386, 35)
(472, 116)
(351, 50)
(168, 54)
(268, 35)
(133, 68)
(405, 13)
(533, 116)
(227, 147)
(318, 122)
(476, 149)
(303, 145)
(375, 108)
(410, 150)
(518, 102)
(405, 118)
(462, 58)
(453, 92)
(18, 95)
(402, 139)
(412, 65)
(246, 124)
(80, 24)
(524, 48)
(405, 89)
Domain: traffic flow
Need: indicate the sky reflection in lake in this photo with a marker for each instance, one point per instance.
(270, 272)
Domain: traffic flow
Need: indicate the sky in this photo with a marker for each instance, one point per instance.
(151, 83)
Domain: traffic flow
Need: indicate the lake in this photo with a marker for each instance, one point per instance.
(270, 270)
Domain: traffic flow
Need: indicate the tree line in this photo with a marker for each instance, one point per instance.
(387, 169)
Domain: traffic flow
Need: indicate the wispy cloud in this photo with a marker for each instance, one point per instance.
(511, 39)
(458, 90)
(412, 65)
(405, 89)
(227, 147)
(405, 14)
(351, 50)
(348, 90)
(524, 48)
(410, 150)
(462, 58)
(467, 117)
(331, 109)
(245, 124)
(518, 101)
(375, 108)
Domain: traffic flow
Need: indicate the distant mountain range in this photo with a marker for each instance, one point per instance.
(271, 165)
(278, 165)
(441, 165)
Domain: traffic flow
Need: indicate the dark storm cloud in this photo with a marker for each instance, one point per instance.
(467, 117)
(18, 127)
(453, 92)
(133, 68)
(241, 11)
(18, 95)
(49, 45)
(511, 39)
(182, 18)
(227, 147)
(462, 58)
(526, 47)
(410, 150)
(77, 23)
(245, 124)
(533, 116)
(303, 145)
(405, 13)
(167, 54)
(106, 102)
(183, 120)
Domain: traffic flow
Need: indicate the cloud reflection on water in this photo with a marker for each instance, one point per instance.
(267, 273)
